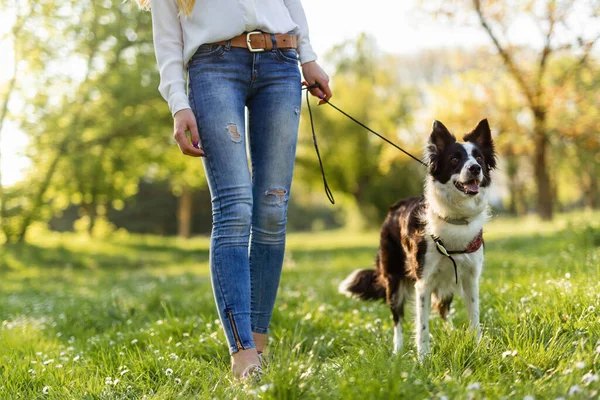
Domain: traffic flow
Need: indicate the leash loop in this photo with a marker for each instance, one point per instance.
(312, 126)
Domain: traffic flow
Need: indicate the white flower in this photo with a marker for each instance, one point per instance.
(474, 386)
(177, 381)
(50, 361)
(108, 380)
(46, 389)
(134, 341)
(76, 358)
(589, 378)
(185, 334)
(115, 382)
(168, 372)
(574, 390)
(580, 365)
(266, 387)
(509, 353)
(31, 371)
(124, 372)
(173, 356)
(529, 397)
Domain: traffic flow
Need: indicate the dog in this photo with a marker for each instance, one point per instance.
(431, 247)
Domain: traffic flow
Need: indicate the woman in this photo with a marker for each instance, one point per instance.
(238, 54)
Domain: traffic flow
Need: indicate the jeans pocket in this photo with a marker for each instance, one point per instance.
(208, 52)
(287, 55)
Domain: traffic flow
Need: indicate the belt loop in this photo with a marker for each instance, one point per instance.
(274, 41)
(228, 45)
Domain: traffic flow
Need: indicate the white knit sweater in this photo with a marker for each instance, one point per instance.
(177, 37)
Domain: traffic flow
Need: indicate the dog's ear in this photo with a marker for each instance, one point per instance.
(440, 136)
(439, 139)
(482, 137)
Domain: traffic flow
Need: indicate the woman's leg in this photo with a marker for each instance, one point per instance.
(217, 95)
(274, 112)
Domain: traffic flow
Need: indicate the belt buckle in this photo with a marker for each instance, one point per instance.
(249, 44)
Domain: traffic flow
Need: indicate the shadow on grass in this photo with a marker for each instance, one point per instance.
(22, 256)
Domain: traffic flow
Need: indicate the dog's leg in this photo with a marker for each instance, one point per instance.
(471, 298)
(398, 332)
(423, 301)
(396, 303)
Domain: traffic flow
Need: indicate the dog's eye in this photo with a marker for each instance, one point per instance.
(479, 159)
(454, 160)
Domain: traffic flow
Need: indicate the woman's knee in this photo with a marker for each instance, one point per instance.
(235, 218)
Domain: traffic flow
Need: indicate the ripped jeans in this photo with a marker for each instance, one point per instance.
(249, 209)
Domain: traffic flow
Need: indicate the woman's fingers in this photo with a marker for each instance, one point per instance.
(314, 74)
(186, 121)
(325, 90)
(185, 146)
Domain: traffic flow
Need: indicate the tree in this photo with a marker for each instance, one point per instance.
(556, 20)
(24, 16)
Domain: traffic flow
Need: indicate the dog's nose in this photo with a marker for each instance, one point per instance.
(475, 169)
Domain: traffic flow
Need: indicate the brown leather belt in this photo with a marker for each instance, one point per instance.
(258, 41)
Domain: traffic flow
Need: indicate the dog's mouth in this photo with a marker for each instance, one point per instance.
(470, 188)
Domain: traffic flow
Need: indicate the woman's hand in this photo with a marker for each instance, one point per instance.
(184, 121)
(313, 73)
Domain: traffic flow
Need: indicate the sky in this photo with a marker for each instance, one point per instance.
(395, 24)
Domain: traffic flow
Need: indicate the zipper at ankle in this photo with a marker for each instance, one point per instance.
(238, 342)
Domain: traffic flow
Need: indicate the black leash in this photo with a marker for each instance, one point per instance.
(438, 242)
(443, 251)
(312, 126)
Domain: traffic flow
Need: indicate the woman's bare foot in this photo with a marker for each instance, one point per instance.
(242, 361)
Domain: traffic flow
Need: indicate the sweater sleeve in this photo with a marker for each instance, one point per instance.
(168, 47)
(305, 49)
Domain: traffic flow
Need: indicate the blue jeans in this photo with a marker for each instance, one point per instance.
(249, 210)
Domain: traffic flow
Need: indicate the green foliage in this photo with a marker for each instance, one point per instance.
(359, 166)
(134, 315)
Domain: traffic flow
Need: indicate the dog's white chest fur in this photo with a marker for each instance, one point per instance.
(438, 270)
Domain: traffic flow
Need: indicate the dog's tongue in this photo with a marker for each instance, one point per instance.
(472, 186)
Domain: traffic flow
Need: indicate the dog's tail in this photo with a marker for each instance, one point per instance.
(363, 284)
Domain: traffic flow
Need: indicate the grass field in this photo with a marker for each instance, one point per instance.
(133, 317)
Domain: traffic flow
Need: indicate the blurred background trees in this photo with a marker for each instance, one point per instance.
(102, 158)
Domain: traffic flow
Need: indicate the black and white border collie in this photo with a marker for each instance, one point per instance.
(431, 246)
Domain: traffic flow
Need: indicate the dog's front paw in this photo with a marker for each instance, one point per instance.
(423, 351)
(478, 334)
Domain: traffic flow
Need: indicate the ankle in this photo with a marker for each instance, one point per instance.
(260, 340)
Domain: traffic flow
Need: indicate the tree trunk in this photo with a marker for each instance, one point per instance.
(38, 199)
(184, 213)
(512, 169)
(90, 210)
(591, 196)
(544, 201)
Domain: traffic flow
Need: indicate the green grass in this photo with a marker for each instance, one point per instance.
(78, 314)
